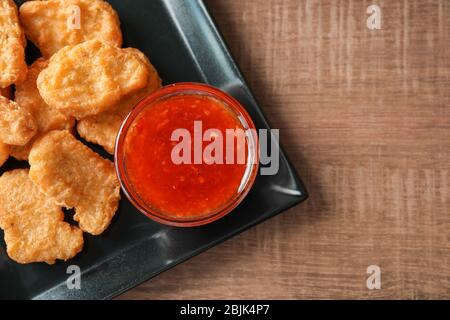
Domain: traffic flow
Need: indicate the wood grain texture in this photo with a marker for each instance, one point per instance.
(365, 117)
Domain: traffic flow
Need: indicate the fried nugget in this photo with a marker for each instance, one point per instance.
(5, 92)
(90, 78)
(46, 23)
(34, 225)
(102, 129)
(17, 125)
(13, 68)
(47, 118)
(4, 153)
(68, 171)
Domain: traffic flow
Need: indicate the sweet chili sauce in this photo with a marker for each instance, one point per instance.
(192, 190)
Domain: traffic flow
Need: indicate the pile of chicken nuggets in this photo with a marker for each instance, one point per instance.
(84, 83)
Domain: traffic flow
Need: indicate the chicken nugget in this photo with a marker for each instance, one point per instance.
(5, 92)
(68, 171)
(27, 95)
(47, 23)
(4, 153)
(34, 225)
(102, 129)
(46, 117)
(13, 67)
(17, 125)
(90, 78)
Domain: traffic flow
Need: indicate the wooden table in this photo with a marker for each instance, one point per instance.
(365, 117)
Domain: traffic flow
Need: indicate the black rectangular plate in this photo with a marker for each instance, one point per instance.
(183, 43)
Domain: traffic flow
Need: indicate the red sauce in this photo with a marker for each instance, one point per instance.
(180, 190)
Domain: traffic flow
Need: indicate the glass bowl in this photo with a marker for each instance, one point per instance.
(252, 154)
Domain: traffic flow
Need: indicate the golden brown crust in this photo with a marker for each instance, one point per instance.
(4, 153)
(34, 225)
(47, 118)
(17, 125)
(13, 68)
(45, 23)
(102, 129)
(106, 74)
(76, 177)
(5, 92)
(21, 153)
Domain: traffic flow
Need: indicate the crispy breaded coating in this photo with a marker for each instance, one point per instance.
(13, 67)
(90, 78)
(5, 92)
(34, 225)
(46, 23)
(4, 153)
(17, 125)
(4, 148)
(21, 153)
(65, 169)
(102, 129)
(47, 118)
(27, 95)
